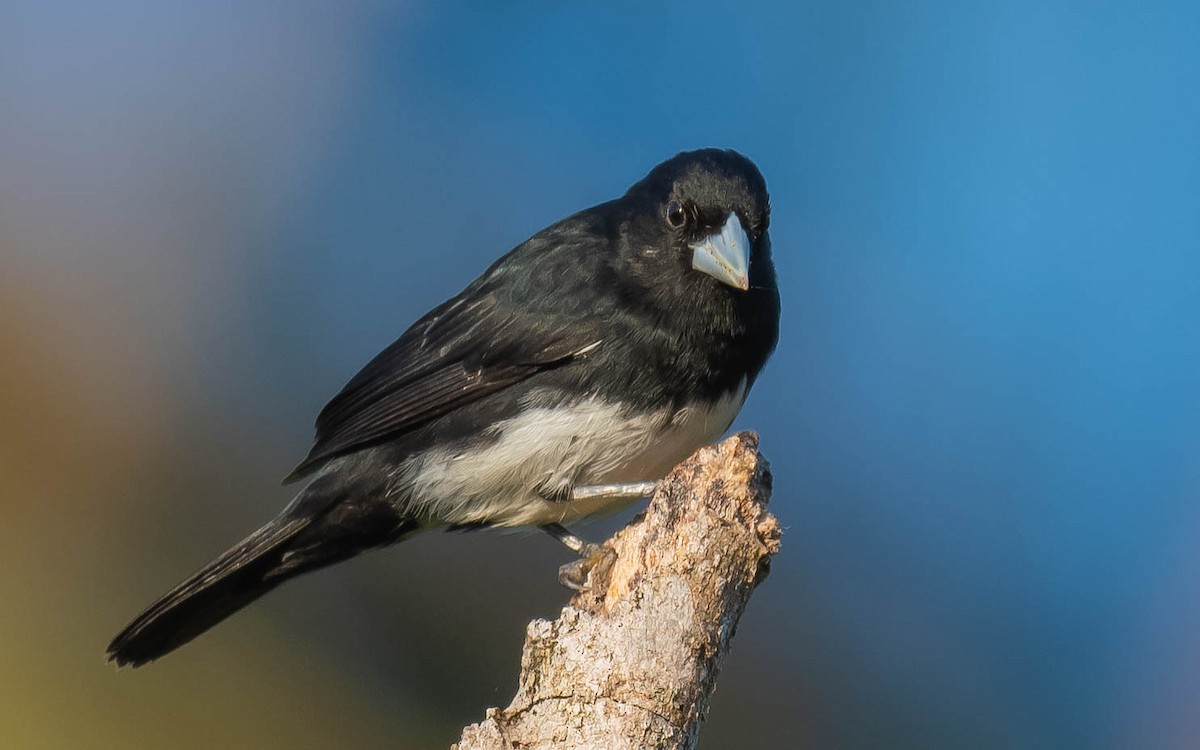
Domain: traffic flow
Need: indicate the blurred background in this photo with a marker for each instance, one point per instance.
(983, 416)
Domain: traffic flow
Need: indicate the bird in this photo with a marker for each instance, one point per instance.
(561, 384)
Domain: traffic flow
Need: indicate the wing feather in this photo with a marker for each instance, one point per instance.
(462, 351)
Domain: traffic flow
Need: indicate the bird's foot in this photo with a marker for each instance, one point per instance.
(574, 575)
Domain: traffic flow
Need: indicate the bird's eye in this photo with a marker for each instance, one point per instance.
(676, 216)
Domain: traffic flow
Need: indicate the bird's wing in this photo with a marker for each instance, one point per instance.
(476, 344)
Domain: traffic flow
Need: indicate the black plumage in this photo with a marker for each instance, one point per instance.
(593, 352)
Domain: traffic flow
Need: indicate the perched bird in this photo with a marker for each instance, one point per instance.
(562, 383)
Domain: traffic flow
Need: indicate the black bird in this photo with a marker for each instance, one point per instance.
(576, 371)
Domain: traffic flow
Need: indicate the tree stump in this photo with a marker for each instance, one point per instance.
(633, 659)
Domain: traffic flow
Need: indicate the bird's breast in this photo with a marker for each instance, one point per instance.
(522, 469)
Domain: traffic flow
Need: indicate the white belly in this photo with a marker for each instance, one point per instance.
(507, 483)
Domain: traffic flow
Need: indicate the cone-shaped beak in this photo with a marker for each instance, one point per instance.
(725, 255)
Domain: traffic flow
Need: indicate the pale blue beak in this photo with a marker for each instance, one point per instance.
(725, 255)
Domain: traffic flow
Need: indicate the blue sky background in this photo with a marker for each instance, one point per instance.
(984, 413)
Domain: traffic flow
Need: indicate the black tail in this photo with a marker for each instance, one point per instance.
(294, 543)
(221, 588)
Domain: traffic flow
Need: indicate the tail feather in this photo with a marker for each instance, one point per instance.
(333, 519)
(224, 586)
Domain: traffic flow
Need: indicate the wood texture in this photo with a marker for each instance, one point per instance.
(633, 660)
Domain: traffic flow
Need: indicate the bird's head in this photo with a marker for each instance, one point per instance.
(701, 212)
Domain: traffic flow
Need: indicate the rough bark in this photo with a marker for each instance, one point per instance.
(633, 660)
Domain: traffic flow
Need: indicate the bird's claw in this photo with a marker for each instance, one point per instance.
(574, 575)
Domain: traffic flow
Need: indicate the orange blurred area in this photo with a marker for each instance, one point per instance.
(86, 445)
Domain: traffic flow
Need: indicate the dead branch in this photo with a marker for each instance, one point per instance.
(633, 660)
